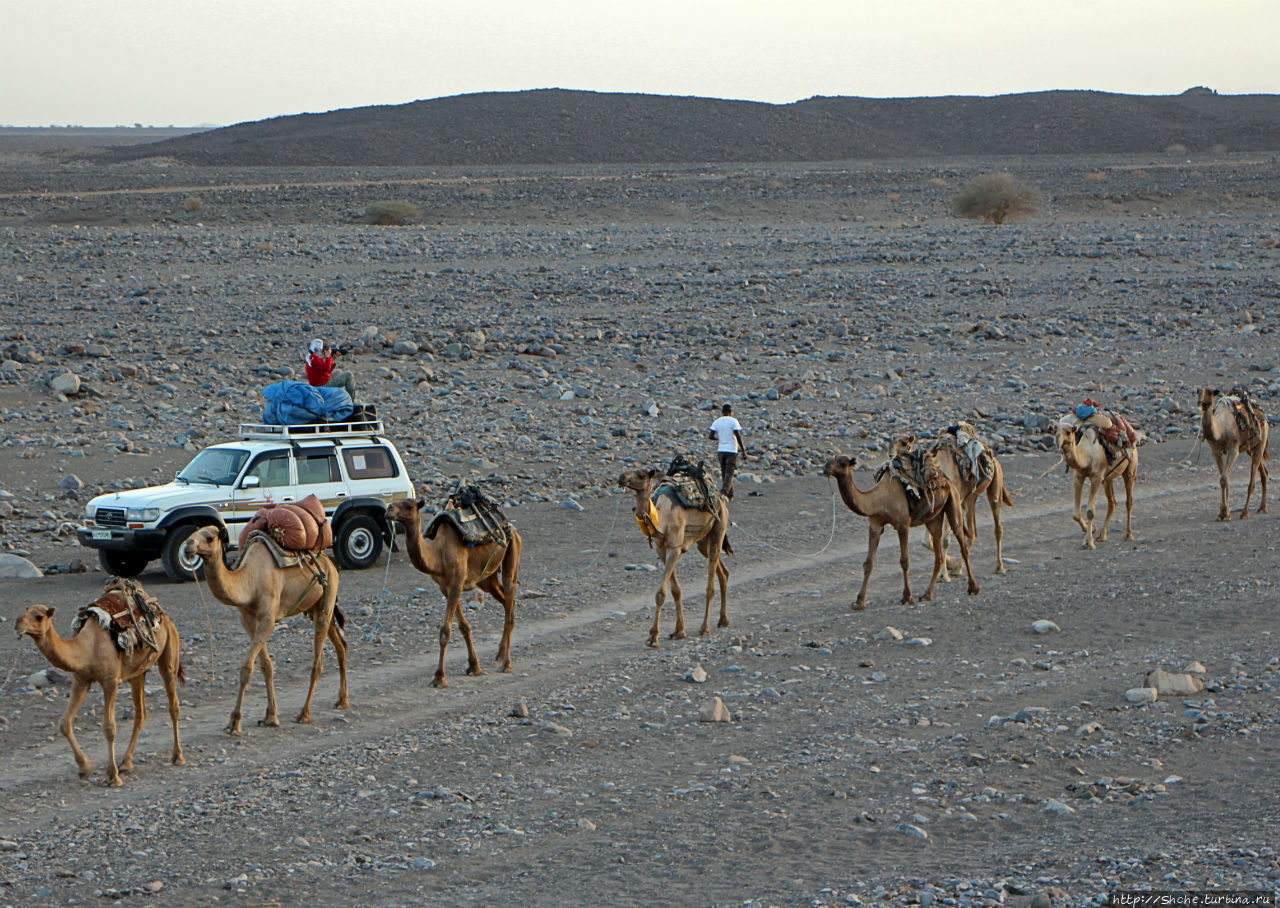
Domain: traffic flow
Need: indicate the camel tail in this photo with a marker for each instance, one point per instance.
(339, 618)
(725, 547)
(1004, 496)
(182, 673)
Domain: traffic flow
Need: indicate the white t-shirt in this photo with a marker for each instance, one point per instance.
(724, 427)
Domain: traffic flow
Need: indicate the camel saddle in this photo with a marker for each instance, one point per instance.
(474, 515)
(920, 477)
(689, 485)
(970, 453)
(301, 527)
(1248, 415)
(125, 611)
(1114, 431)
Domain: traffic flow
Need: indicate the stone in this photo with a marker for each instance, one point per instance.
(1176, 683)
(520, 710)
(920, 641)
(570, 505)
(889, 633)
(1195, 668)
(1041, 900)
(71, 481)
(696, 675)
(715, 711)
(48, 677)
(1044, 626)
(14, 567)
(1057, 808)
(1141, 695)
(912, 830)
(555, 730)
(66, 383)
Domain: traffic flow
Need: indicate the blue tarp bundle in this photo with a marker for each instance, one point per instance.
(293, 403)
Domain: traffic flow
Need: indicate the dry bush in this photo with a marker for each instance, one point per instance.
(995, 197)
(192, 204)
(391, 213)
(937, 181)
(1096, 176)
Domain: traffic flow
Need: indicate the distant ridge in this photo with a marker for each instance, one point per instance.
(557, 126)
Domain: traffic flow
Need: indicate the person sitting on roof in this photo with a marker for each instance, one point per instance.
(319, 362)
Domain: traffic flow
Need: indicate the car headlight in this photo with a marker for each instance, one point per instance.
(142, 515)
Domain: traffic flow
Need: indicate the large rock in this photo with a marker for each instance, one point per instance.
(1175, 683)
(13, 567)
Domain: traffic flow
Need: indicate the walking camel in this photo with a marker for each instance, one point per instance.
(456, 567)
(264, 593)
(1083, 453)
(675, 529)
(1227, 439)
(969, 488)
(92, 657)
(887, 503)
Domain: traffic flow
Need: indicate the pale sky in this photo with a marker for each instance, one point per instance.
(189, 62)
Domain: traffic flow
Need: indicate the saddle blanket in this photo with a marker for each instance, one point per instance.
(474, 515)
(125, 611)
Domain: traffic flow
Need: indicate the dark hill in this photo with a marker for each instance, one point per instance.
(554, 126)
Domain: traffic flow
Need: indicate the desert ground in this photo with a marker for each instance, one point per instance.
(544, 329)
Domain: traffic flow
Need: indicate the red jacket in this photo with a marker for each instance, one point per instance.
(319, 369)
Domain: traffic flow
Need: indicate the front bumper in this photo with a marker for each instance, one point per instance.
(148, 542)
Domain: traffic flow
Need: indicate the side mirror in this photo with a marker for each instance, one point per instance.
(251, 482)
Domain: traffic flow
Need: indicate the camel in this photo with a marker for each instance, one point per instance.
(1083, 453)
(91, 656)
(264, 594)
(456, 567)
(1223, 434)
(887, 503)
(992, 485)
(675, 529)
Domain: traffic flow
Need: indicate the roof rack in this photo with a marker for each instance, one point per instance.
(363, 427)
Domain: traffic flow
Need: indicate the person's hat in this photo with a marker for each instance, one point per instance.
(316, 346)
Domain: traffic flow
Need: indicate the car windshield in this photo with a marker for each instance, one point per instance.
(219, 466)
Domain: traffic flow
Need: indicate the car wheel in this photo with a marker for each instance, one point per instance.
(357, 542)
(178, 567)
(122, 564)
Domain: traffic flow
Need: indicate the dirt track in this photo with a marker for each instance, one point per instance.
(966, 770)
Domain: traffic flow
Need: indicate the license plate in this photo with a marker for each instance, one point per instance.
(100, 534)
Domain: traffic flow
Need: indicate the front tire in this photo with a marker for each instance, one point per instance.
(357, 542)
(122, 564)
(177, 566)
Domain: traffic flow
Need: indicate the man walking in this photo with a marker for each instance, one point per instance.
(728, 433)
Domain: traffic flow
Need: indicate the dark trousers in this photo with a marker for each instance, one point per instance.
(728, 463)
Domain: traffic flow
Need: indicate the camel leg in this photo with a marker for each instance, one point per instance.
(257, 643)
(1262, 475)
(1130, 477)
(722, 572)
(109, 689)
(1248, 495)
(321, 623)
(1108, 487)
(946, 548)
(505, 597)
(510, 581)
(1226, 459)
(677, 597)
(473, 659)
(272, 718)
(340, 652)
(170, 664)
(67, 726)
(1089, 521)
(138, 690)
(993, 499)
(904, 559)
(936, 533)
(446, 629)
(713, 560)
(874, 530)
(954, 518)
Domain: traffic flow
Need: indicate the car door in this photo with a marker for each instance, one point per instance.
(319, 475)
(267, 480)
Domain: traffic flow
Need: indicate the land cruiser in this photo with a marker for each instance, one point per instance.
(351, 467)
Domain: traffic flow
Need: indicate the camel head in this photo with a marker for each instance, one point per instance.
(208, 542)
(406, 511)
(1208, 397)
(840, 464)
(639, 480)
(901, 444)
(35, 621)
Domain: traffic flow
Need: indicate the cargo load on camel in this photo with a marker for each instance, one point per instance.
(301, 527)
(474, 515)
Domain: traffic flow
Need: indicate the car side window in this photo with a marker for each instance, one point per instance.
(318, 467)
(272, 470)
(372, 462)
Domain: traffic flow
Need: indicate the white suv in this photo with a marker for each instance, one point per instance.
(350, 467)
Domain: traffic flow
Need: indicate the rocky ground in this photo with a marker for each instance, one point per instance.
(543, 330)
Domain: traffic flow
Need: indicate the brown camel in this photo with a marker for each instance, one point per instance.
(675, 529)
(1083, 453)
(887, 503)
(970, 487)
(91, 656)
(456, 567)
(1226, 439)
(265, 593)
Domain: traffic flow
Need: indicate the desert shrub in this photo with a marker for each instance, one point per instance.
(995, 197)
(937, 181)
(192, 204)
(391, 213)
